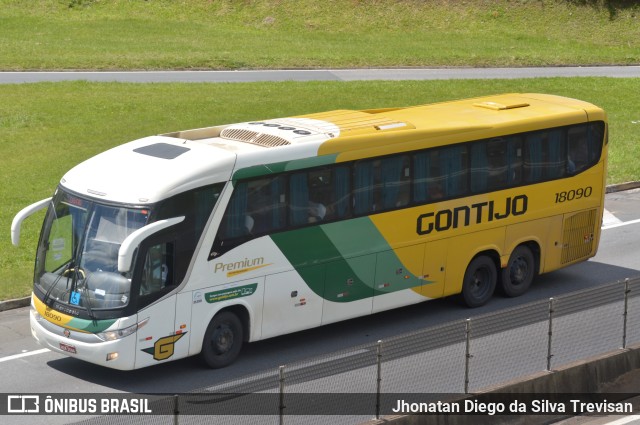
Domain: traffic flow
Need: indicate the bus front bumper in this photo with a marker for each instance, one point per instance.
(118, 354)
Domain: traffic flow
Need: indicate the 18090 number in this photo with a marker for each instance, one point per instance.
(570, 195)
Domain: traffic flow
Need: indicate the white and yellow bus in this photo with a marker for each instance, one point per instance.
(200, 240)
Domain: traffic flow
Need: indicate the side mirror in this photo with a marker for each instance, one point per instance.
(131, 242)
(24, 213)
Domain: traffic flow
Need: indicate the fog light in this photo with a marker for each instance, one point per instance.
(112, 356)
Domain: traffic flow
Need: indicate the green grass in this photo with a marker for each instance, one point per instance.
(204, 34)
(47, 128)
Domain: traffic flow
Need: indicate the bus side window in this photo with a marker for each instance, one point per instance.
(158, 270)
(257, 207)
(393, 187)
(480, 167)
(236, 222)
(429, 181)
(266, 204)
(533, 163)
(578, 152)
(496, 164)
(339, 205)
(308, 196)
(545, 155)
(454, 171)
(555, 154)
(363, 178)
(515, 161)
(381, 184)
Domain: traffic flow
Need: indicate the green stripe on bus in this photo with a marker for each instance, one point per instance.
(341, 265)
(280, 167)
(93, 326)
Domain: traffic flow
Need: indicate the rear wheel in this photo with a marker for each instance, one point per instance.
(222, 340)
(519, 273)
(479, 281)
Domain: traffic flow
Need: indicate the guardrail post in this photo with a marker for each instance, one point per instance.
(550, 335)
(467, 331)
(176, 409)
(379, 377)
(281, 406)
(625, 313)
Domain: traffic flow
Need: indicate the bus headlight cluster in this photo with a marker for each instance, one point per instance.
(121, 333)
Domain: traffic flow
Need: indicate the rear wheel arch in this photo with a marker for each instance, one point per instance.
(535, 247)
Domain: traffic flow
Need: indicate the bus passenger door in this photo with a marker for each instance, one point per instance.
(290, 303)
(156, 338)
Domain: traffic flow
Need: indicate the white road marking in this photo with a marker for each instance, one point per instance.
(624, 420)
(609, 219)
(622, 223)
(27, 354)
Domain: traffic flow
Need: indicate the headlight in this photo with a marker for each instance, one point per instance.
(121, 333)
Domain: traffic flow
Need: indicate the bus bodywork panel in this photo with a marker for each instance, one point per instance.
(449, 122)
(149, 169)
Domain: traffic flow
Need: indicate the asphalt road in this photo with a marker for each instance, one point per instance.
(241, 76)
(26, 368)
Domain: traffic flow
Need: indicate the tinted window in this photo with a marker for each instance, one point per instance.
(368, 186)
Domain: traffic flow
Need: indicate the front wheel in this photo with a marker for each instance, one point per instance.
(222, 340)
(479, 281)
(518, 275)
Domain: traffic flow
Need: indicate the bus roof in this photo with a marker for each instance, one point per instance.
(154, 168)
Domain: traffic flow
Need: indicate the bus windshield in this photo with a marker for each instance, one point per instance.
(77, 257)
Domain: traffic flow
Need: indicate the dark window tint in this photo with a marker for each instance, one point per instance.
(440, 173)
(196, 206)
(369, 186)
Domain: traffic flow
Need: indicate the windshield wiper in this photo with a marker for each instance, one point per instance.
(55, 282)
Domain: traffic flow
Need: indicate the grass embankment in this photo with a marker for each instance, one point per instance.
(204, 34)
(47, 128)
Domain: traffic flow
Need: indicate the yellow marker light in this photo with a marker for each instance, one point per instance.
(112, 356)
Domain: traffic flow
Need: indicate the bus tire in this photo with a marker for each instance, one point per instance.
(519, 273)
(222, 340)
(479, 281)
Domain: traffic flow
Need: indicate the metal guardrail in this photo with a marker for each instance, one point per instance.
(453, 358)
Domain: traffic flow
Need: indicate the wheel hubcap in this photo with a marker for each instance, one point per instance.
(222, 339)
(519, 271)
(480, 279)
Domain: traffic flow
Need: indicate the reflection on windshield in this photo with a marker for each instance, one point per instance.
(77, 260)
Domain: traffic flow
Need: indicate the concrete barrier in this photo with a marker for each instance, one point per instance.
(17, 303)
(616, 374)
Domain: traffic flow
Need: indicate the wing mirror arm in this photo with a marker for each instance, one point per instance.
(131, 242)
(24, 213)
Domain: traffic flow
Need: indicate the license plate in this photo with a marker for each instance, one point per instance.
(68, 348)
